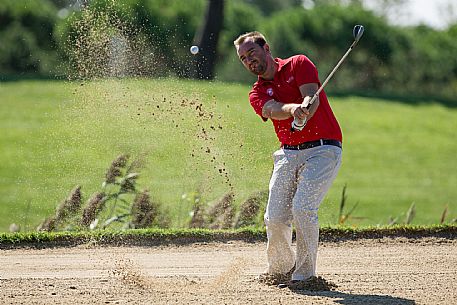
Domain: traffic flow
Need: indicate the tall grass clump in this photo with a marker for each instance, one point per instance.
(65, 212)
(120, 204)
(344, 216)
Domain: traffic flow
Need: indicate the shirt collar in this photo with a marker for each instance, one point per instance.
(281, 63)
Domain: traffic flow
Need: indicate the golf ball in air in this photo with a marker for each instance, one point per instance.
(194, 50)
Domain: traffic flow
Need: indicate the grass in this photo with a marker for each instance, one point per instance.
(127, 237)
(56, 135)
(149, 237)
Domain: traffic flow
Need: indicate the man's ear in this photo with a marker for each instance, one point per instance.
(266, 47)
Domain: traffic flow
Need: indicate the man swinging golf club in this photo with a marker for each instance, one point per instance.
(305, 165)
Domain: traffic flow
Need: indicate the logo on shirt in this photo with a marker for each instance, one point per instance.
(270, 91)
(289, 79)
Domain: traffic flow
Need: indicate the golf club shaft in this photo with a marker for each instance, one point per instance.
(296, 124)
(315, 96)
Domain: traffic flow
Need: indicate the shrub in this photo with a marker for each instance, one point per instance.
(26, 33)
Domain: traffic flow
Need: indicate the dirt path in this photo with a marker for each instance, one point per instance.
(387, 271)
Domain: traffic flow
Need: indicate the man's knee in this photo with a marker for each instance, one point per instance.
(277, 220)
(307, 216)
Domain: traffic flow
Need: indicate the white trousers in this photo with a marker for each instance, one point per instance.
(299, 182)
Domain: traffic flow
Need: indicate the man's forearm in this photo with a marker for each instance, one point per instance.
(277, 110)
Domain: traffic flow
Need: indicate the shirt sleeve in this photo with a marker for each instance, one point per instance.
(305, 71)
(258, 100)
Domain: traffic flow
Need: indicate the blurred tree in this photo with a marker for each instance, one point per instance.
(26, 35)
(269, 7)
(325, 32)
(240, 17)
(384, 7)
(63, 3)
(207, 38)
(158, 34)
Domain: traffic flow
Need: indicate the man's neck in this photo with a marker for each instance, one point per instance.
(271, 69)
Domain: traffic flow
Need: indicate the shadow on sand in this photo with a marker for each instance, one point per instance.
(359, 299)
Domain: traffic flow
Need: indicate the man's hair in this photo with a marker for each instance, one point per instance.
(255, 36)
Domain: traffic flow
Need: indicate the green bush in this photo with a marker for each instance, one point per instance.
(152, 38)
(157, 34)
(432, 62)
(26, 35)
(240, 18)
(325, 33)
(406, 61)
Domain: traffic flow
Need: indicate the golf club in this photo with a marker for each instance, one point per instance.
(357, 33)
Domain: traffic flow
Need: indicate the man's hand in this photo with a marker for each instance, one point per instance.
(279, 111)
(300, 112)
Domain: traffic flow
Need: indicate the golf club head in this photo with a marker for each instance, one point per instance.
(357, 32)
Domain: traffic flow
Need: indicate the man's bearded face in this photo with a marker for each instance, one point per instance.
(253, 57)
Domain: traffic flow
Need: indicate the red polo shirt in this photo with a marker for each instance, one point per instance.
(291, 74)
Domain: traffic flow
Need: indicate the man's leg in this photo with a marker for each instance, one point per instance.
(320, 167)
(278, 214)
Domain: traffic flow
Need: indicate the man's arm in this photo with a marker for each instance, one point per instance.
(280, 111)
(308, 91)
